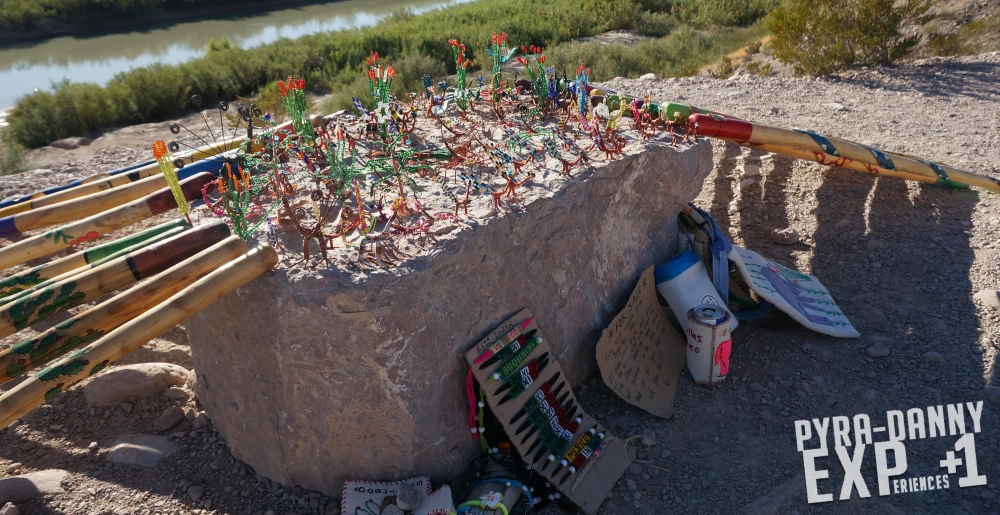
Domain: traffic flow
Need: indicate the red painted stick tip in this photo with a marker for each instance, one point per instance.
(717, 126)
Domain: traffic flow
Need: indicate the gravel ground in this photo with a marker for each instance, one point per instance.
(903, 260)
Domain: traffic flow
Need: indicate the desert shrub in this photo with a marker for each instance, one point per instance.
(11, 156)
(707, 13)
(754, 47)
(343, 95)
(656, 6)
(654, 24)
(724, 68)
(616, 15)
(822, 36)
(972, 38)
(410, 71)
(683, 52)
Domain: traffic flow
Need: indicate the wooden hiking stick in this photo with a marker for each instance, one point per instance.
(100, 262)
(97, 321)
(100, 224)
(826, 159)
(39, 274)
(128, 269)
(89, 360)
(755, 134)
(55, 189)
(112, 183)
(104, 182)
(78, 208)
(193, 161)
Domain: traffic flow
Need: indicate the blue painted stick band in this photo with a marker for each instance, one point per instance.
(884, 161)
(7, 227)
(205, 165)
(938, 170)
(822, 142)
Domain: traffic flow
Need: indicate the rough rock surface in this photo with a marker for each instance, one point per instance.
(27, 487)
(334, 374)
(144, 450)
(139, 380)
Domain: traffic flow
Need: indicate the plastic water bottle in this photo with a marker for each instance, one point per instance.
(684, 283)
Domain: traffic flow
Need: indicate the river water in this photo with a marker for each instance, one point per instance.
(98, 58)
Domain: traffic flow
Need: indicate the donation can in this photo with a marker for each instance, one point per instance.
(709, 340)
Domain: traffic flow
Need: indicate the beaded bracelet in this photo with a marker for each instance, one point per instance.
(467, 506)
(506, 482)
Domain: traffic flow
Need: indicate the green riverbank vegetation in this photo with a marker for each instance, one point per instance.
(823, 36)
(682, 36)
(25, 14)
(982, 35)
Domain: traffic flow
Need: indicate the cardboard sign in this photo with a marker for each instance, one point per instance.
(640, 354)
(366, 496)
(589, 485)
(800, 295)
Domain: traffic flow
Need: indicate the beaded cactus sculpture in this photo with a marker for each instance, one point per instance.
(293, 97)
(462, 93)
(163, 159)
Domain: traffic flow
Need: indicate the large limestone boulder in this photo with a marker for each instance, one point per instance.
(317, 376)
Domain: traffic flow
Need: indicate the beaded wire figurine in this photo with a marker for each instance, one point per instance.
(162, 156)
(354, 180)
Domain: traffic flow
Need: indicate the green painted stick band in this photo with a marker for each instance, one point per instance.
(120, 272)
(94, 357)
(952, 184)
(90, 325)
(107, 259)
(24, 280)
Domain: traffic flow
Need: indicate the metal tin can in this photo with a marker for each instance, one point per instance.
(709, 343)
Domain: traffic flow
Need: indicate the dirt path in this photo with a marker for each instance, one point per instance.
(902, 259)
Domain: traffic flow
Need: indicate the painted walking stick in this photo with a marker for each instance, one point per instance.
(39, 274)
(142, 175)
(829, 160)
(97, 321)
(101, 223)
(55, 189)
(93, 358)
(128, 269)
(204, 159)
(78, 208)
(755, 134)
(73, 273)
